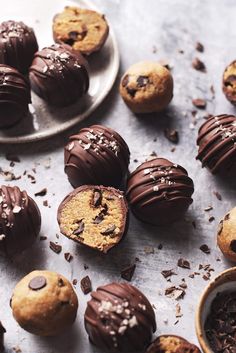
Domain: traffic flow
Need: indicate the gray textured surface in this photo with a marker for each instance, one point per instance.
(139, 25)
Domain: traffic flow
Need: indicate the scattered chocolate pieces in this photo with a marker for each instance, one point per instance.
(198, 65)
(199, 47)
(42, 192)
(209, 208)
(205, 248)
(175, 292)
(168, 273)
(218, 195)
(97, 198)
(199, 103)
(211, 219)
(37, 283)
(68, 257)
(55, 247)
(74, 282)
(172, 135)
(183, 263)
(86, 285)
(80, 228)
(128, 272)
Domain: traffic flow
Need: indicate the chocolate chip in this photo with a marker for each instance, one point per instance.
(61, 282)
(128, 272)
(183, 263)
(55, 247)
(37, 283)
(199, 103)
(198, 65)
(97, 198)
(125, 81)
(99, 218)
(205, 248)
(227, 217)
(167, 273)
(199, 47)
(86, 285)
(218, 195)
(41, 192)
(172, 135)
(131, 91)
(142, 81)
(68, 257)
(109, 230)
(233, 245)
(80, 228)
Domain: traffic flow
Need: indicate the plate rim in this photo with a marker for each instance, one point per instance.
(81, 117)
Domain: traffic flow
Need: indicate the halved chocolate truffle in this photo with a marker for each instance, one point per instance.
(119, 318)
(229, 82)
(172, 344)
(217, 143)
(95, 216)
(17, 45)
(97, 155)
(59, 75)
(20, 220)
(14, 96)
(159, 191)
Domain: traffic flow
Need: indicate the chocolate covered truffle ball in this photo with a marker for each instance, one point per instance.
(96, 216)
(229, 82)
(119, 318)
(147, 87)
(44, 303)
(159, 192)
(17, 45)
(20, 220)
(59, 75)
(14, 96)
(172, 344)
(97, 155)
(226, 236)
(217, 143)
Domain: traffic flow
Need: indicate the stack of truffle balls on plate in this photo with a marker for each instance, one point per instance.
(58, 74)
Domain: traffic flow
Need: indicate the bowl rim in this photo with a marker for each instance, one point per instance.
(208, 289)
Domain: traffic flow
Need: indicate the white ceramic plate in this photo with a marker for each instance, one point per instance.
(45, 121)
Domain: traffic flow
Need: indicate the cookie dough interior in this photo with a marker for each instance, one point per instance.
(94, 218)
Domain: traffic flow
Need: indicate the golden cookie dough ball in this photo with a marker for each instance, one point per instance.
(147, 87)
(226, 236)
(44, 303)
(229, 82)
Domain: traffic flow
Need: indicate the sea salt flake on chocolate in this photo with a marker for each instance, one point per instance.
(16, 209)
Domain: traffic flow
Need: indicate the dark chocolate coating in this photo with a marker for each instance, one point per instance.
(119, 318)
(20, 220)
(172, 344)
(17, 45)
(2, 331)
(97, 155)
(59, 75)
(159, 192)
(217, 143)
(14, 96)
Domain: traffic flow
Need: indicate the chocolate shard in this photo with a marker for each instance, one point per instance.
(99, 218)
(199, 47)
(68, 257)
(97, 198)
(205, 248)
(86, 285)
(55, 247)
(128, 272)
(42, 192)
(183, 263)
(109, 230)
(167, 273)
(80, 228)
(199, 65)
(199, 103)
(172, 135)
